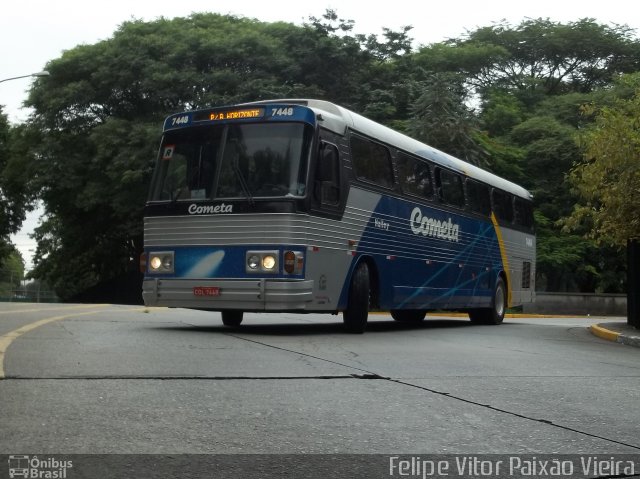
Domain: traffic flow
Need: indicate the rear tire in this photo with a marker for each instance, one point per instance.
(231, 318)
(357, 312)
(494, 314)
(408, 315)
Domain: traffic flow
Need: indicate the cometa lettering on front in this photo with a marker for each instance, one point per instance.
(195, 209)
(432, 227)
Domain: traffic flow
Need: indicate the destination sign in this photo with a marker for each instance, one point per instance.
(232, 114)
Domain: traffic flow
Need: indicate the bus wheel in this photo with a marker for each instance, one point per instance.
(408, 315)
(231, 317)
(355, 316)
(494, 314)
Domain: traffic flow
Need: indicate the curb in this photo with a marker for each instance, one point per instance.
(615, 336)
(604, 333)
(447, 314)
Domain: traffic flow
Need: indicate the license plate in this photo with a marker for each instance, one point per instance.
(206, 291)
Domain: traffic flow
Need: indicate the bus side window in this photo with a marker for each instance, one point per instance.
(502, 205)
(449, 188)
(479, 198)
(524, 213)
(327, 181)
(371, 162)
(414, 176)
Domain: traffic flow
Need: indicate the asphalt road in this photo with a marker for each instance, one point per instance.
(97, 379)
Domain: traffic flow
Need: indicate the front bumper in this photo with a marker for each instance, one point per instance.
(240, 294)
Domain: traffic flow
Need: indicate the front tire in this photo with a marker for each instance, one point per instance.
(231, 318)
(494, 314)
(357, 312)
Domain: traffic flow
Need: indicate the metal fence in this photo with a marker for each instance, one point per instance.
(19, 295)
(14, 288)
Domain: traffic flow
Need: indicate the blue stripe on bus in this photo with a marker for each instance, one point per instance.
(215, 262)
(422, 271)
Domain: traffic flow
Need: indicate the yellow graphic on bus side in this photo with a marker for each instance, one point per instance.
(503, 254)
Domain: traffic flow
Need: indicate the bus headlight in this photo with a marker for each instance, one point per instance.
(262, 262)
(253, 262)
(156, 262)
(161, 262)
(269, 262)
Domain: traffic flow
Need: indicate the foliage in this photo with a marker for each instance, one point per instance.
(502, 158)
(5, 209)
(608, 179)
(549, 151)
(14, 195)
(539, 54)
(440, 117)
(11, 273)
(501, 111)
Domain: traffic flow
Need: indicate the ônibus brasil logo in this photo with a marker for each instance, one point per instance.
(35, 467)
(432, 227)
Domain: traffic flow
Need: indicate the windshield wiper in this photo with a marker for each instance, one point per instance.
(243, 181)
(174, 197)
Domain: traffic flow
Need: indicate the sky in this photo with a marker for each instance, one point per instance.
(32, 32)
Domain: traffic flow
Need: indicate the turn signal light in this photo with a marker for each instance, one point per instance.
(290, 262)
(293, 262)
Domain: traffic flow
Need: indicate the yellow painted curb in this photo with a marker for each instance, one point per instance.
(604, 333)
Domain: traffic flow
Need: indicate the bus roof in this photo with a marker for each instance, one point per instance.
(339, 119)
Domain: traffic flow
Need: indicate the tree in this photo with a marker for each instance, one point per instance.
(608, 183)
(99, 115)
(501, 111)
(11, 273)
(608, 180)
(14, 196)
(532, 80)
(5, 208)
(441, 118)
(555, 57)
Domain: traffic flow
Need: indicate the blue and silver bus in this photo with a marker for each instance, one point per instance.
(305, 206)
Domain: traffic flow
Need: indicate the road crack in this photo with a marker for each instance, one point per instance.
(179, 378)
(371, 375)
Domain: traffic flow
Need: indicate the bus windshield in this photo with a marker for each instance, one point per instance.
(233, 161)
